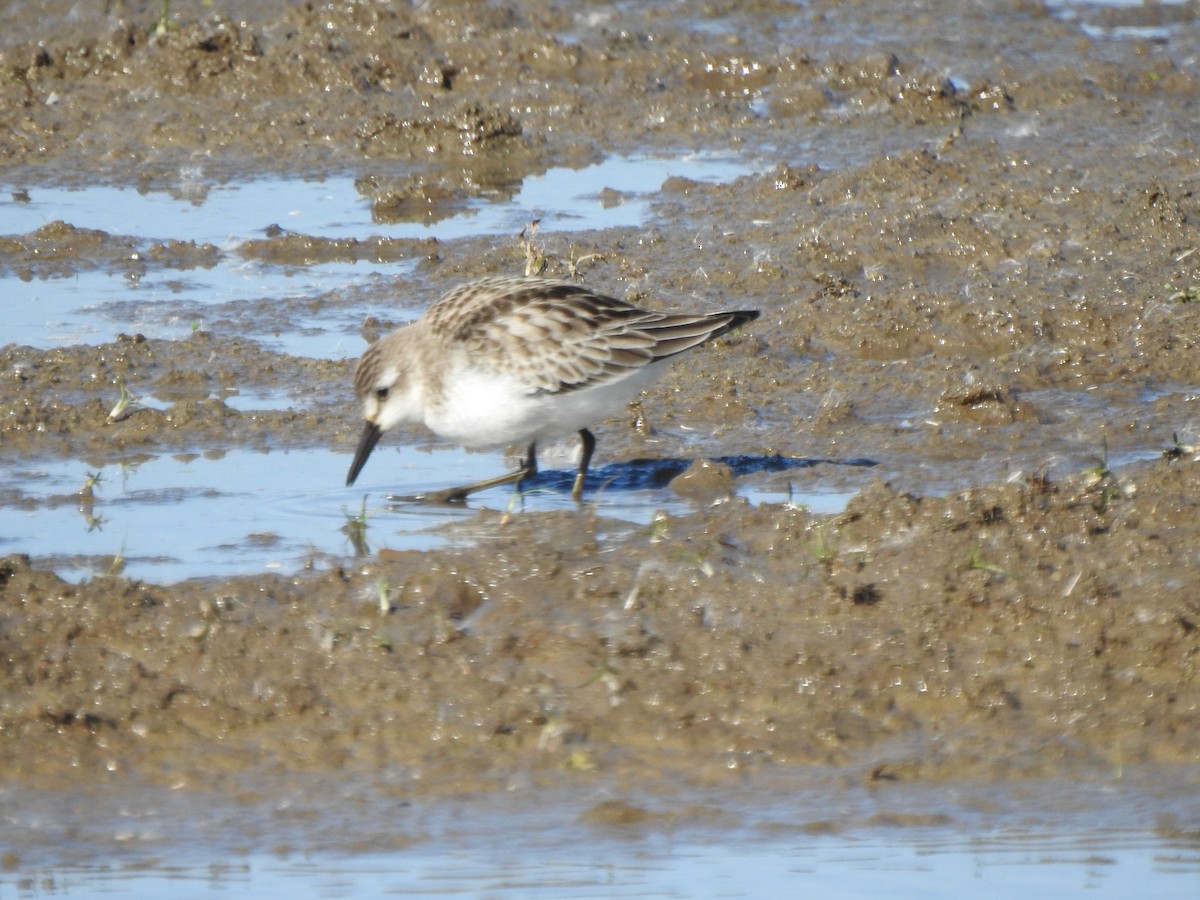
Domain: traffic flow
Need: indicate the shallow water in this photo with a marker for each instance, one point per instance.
(238, 512)
(1091, 21)
(225, 213)
(843, 841)
(867, 866)
(93, 304)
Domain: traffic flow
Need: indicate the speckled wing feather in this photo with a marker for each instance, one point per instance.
(556, 336)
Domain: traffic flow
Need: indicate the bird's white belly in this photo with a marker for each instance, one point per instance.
(481, 409)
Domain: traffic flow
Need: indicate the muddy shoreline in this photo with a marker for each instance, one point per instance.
(985, 280)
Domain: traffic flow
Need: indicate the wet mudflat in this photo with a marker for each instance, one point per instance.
(975, 240)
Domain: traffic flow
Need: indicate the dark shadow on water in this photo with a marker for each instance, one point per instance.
(655, 474)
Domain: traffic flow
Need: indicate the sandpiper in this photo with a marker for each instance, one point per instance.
(518, 360)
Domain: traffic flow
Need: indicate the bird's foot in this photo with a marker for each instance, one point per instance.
(458, 495)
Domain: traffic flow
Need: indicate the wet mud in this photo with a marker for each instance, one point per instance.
(987, 282)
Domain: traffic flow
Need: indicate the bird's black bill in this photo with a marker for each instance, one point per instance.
(366, 443)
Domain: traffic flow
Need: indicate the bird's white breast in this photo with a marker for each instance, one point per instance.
(481, 409)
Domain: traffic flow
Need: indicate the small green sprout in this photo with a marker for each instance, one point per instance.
(1189, 294)
(122, 409)
(976, 563)
(1099, 472)
(535, 257)
(355, 529)
(383, 642)
(92, 481)
(823, 548)
(164, 15)
(385, 595)
(117, 565)
(659, 528)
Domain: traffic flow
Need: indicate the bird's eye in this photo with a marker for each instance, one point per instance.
(381, 393)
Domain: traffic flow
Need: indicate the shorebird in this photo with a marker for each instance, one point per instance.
(518, 360)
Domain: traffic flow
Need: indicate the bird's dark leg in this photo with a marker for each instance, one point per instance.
(527, 468)
(528, 464)
(585, 459)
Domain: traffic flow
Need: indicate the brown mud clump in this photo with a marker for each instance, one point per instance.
(1008, 630)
